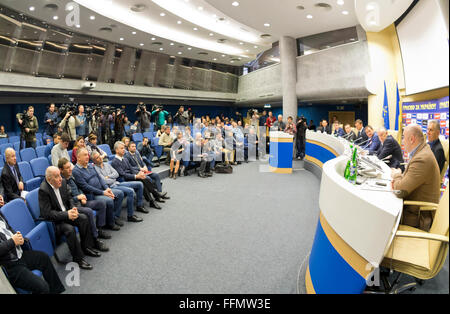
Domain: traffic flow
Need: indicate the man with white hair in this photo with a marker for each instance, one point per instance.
(279, 125)
(433, 132)
(57, 206)
(421, 179)
(11, 178)
(390, 147)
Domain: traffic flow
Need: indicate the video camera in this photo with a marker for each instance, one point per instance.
(251, 112)
(157, 107)
(65, 108)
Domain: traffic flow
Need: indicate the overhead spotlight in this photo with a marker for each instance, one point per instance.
(134, 33)
(161, 49)
(266, 24)
(162, 14)
(211, 34)
(31, 8)
(256, 47)
(180, 53)
(235, 4)
(55, 17)
(340, 2)
(78, 26)
(179, 22)
(92, 17)
(153, 38)
(345, 12)
(215, 59)
(241, 43)
(195, 29)
(172, 44)
(189, 48)
(309, 16)
(200, 8)
(141, 44)
(121, 38)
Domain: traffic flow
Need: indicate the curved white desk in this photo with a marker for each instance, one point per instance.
(356, 224)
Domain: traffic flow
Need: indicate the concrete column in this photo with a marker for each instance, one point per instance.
(288, 58)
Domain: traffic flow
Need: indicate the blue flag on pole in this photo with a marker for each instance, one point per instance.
(386, 109)
(397, 110)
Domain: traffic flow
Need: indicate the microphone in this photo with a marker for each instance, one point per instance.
(364, 142)
(346, 135)
(358, 139)
(387, 157)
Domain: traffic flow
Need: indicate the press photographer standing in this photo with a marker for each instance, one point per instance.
(51, 120)
(28, 126)
(69, 124)
(144, 117)
(182, 117)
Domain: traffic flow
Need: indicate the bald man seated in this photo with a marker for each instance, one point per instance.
(12, 180)
(420, 181)
(390, 147)
(57, 206)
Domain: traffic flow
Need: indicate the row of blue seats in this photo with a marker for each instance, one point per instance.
(26, 154)
(16, 139)
(32, 172)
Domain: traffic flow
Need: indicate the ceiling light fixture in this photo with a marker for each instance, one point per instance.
(180, 53)
(121, 38)
(161, 49)
(195, 29)
(266, 24)
(235, 4)
(345, 12)
(162, 14)
(31, 8)
(189, 48)
(309, 16)
(78, 26)
(340, 2)
(141, 44)
(179, 22)
(55, 17)
(134, 33)
(200, 8)
(211, 34)
(172, 44)
(153, 38)
(92, 17)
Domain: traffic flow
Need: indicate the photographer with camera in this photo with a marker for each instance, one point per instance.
(51, 120)
(82, 128)
(119, 125)
(28, 127)
(160, 115)
(69, 123)
(182, 117)
(144, 117)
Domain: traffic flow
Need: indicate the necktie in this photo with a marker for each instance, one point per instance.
(15, 175)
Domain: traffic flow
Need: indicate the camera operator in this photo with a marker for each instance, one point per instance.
(182, 117)
(301, 137)
(144, 117)
(82, 128)
(160, 116)
(29, 126)
(51, 120)
(69, 124)
(119, 125)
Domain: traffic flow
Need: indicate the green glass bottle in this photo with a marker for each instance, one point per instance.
(353, 168)
(347, 171)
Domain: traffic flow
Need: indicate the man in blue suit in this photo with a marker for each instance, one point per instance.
(338, 131)
(389, 146)
(374, 142)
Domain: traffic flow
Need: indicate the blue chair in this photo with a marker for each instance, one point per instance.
(148, 135)
(106, 149)
(158, 148)
(2, 163)
(40, 151)
(27, 154)
(49, 158)
(137, 137)
(152, 127)
(14, 139)
(4, 147)
(16, 146)
(39, 166)
(30, 181)
(32, 199)
(70, 154)
(4, 140)
(39, 136)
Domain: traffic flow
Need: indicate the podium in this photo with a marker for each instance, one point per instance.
(281, 152)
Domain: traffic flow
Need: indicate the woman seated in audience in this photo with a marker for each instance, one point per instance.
(126, 141)
(2, 132)
(92, 146)
(160, 131)
(79, 143)
(176, 154)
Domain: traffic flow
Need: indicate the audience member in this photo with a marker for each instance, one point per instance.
(29, 127)
(361, 135)
(349, 134)
(57, 206)
(166, 142)
(390, 147)
(49, 146)
(3, 134)
(79, 143)
(324, 127)
(60, 150)
(91, 146)
(373, 143)
(12, 180)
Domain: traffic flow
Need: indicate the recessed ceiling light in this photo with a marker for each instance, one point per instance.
(180, 53)
(200, 8)
(153, 38)
(189, 48)
(31, 8)
(55, 17)
(134, 33)
(179, 22)
(231, 61)
(195, 29)
(215, 59)
(121, 38)
(172, 44)
(224, 56)
(70, 7)
(345, 12)
(340, 2)
(211, 34)
(266, 24)
(78, 26)
(235, 4)
(256, 47)
(309, 16)
(141, 44)
(92, 17)
(162, 14)
(161, 49)
(241, 43)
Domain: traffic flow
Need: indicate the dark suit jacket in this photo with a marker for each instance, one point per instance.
(324, 130)
(9, 183)
(361, 136)
(391, 147)
(132, 161)
(7, 247)
(124, 169)
(50, 208)
(438, 151)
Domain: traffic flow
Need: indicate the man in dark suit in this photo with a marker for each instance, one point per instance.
(137, 163)
(337, 130)
(19, 262)
(56, 205)
(126, 173)
(373, 143)
(349, 134)
(324, 128)
(389, 146)
(11, 178)
(435, 144)
(361, 135)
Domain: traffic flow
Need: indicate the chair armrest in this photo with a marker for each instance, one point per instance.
(423, 205)
(422, 235)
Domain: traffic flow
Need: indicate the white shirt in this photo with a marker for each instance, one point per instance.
(58, 196)
(120, 158)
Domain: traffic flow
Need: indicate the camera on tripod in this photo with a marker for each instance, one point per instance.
(67, 108)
